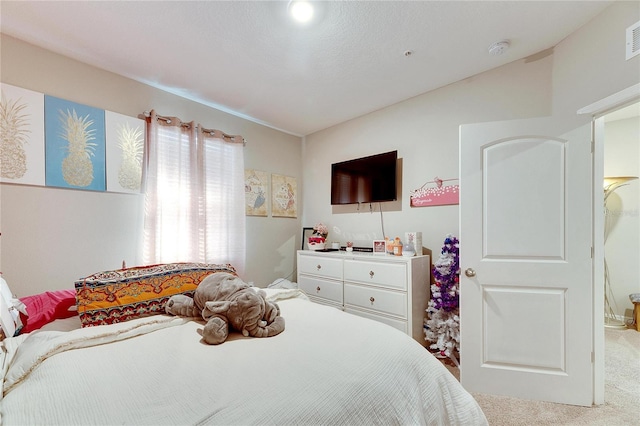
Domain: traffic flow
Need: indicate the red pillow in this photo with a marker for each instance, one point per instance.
(45, 307)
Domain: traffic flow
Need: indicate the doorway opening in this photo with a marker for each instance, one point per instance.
(622, 213)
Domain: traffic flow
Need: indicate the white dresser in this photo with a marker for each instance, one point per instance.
(386, 288)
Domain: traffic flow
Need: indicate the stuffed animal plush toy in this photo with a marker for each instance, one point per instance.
(223, 300)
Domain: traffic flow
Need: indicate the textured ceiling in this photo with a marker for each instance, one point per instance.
(248, 58)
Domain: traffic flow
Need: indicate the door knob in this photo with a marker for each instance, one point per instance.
(470, 272)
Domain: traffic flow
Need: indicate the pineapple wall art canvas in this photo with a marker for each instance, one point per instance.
(75, 145)
(21, 136)
(125, 137)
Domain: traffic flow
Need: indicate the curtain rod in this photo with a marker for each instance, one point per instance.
(147, 114)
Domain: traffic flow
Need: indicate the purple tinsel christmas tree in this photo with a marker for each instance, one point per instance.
(442, 328)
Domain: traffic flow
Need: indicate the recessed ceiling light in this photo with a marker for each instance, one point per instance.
(300, 10)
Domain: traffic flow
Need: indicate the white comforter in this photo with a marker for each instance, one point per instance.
(327, 367)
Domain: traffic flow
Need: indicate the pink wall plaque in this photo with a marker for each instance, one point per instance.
(436, 193)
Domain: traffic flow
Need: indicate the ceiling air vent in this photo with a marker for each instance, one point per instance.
(633, 40)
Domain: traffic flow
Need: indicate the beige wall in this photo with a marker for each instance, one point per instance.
(590, 64)
(51, 237)
(424, 130)
(584, 68)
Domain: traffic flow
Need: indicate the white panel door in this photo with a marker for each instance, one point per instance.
(526, 284)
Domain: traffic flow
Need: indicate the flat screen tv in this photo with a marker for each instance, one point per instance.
(364, 180)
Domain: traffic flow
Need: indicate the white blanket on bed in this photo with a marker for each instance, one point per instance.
(327, 367)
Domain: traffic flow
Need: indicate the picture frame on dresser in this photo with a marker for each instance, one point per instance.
(379, 247)
(306, 233)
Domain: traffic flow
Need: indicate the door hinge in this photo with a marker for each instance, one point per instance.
(593, 357)
(593, 145)
(592, 252)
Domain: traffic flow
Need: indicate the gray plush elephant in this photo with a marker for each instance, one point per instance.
(224, 300)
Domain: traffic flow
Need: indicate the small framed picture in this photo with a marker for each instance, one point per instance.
(379, 247)
(306, 233)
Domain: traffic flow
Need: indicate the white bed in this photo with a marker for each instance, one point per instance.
(328, 367)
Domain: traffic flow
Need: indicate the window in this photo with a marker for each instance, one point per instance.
(194, 203)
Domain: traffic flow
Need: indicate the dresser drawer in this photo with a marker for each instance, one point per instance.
(376, 299)
(385, 274)
(326, 302)
(395, 323)
(320, 288)
(320, 266)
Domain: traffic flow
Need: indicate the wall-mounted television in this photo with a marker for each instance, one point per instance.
(365, 180)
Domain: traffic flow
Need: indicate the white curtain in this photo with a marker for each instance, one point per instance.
(194, 194)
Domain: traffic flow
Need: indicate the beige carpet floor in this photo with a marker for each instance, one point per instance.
(622, 393)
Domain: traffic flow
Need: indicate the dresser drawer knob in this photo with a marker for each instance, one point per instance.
(371, 299)
(318, 289)
(371, 274)
(319, 267)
